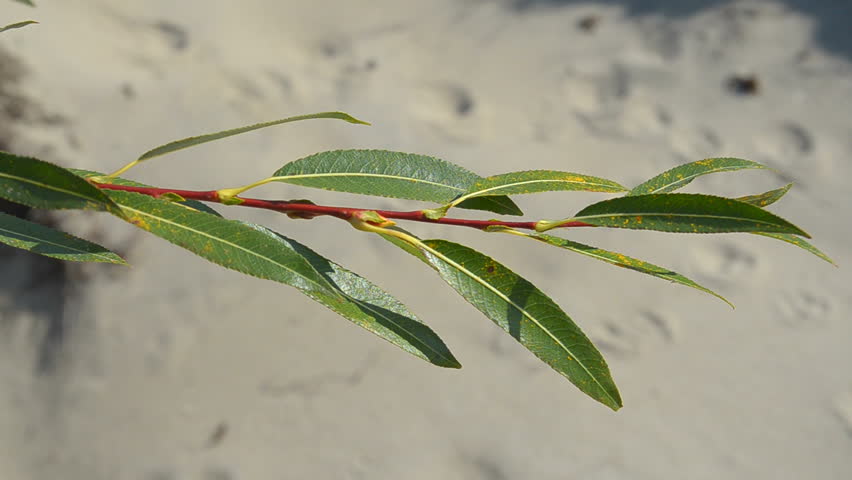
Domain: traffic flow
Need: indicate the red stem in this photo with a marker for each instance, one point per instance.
(307, 210)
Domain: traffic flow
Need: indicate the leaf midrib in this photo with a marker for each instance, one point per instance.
(424, 345)
(239, 247)
(359, 174)
(690, 178)
(523, 312)
(71, 249)
(330, 288)
(525, 182)
(658, 214)
(49, 187)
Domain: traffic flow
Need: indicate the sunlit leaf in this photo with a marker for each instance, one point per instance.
(682, 175)
(681, 213)
(614, 258)
(39, 184)
(196, 205)
(766, 198)
(799, 242)
(770, 197)
(192, 141)
(536, 181)
(17, 25)
(257, 251)
(390, 174)
(525, 312)
(46, 241)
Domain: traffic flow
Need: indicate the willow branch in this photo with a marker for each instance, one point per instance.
(310, 210)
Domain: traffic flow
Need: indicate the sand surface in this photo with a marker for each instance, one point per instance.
(177, 369)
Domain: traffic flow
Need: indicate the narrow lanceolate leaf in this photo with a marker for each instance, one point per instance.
(616, 259)
(770, 197)
(17, 25)
(259, 252)
(766, 198)
(26, 2)
(799, 242)
(390, 174)
(526, 313)
(536, 181)
(682, 213)
(39, 184)
(195, 205)
(46, 241)
(192, 141)
(682, 175)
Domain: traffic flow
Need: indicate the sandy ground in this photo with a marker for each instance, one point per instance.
(177, 369)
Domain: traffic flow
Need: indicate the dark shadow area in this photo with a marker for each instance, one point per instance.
(35, 283)
(833, 18)
(38, 285)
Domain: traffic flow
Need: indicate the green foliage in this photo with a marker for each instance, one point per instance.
(389, 174)
(25, 2)
(39, 184)
(517, 306)
(17, 25)
(681, 213)
(193, 141)
(257, 251)
(46, 241)
(613, 258)
(525, 313)
(682, 175)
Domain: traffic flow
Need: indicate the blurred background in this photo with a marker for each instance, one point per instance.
(177, 369)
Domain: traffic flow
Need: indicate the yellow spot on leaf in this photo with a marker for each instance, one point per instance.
(139, 223)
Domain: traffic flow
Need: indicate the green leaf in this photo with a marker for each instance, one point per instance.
(26, 2)
(680, 213)
(770, 197)
(536, 181)
(766, 198)
(682, 175)
(46, 241)
(616, 259)
(39, 184)
(194, 204)
(257, 251)
(192, 141)
(389, 174)
(526, 313)
(799, 242)
(17, 25)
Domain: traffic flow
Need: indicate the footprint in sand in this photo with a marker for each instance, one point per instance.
(693, 143)
(608, 103)
(723, 262)
(629, 337)
(802, 308)
(449, 109)
(788, 146)
(593, 93)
